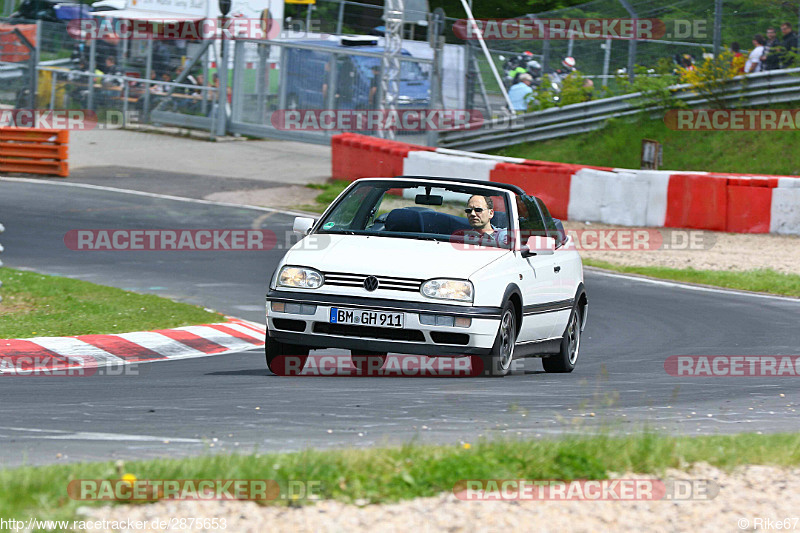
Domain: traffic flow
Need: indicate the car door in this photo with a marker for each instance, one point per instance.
(566, 266)
(539, 279)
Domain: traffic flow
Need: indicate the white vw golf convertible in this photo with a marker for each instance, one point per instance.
(440, 267)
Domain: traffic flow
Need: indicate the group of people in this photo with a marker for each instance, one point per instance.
(770, 53)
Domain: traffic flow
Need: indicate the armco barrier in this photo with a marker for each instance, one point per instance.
(734, 203)
(34, 151)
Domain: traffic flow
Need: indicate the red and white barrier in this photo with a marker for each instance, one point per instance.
(734, 203)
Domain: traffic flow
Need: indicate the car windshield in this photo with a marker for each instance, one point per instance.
(415, 210)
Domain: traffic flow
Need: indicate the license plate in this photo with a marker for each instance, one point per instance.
(362, 317)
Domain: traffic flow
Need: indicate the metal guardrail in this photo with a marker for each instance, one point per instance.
(758, 89)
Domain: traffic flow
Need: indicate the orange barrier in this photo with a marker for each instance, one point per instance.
(360, 156)
(11, 50)
(34, 151)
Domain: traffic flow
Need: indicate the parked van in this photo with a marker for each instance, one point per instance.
(305, 74)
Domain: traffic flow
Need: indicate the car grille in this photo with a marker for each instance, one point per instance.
(411, 335)
(384, 282)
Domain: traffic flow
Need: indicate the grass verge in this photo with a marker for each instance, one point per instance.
(760, 280)
(36, 305)
(619, 144)
(392, 474)
(328, 193)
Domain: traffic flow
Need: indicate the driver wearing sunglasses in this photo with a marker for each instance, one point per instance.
(480, 210)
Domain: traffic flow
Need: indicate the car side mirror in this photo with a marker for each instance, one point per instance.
(537, 245)
(303, 225)
(562, 233)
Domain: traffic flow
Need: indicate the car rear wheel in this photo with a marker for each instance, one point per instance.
(284, 359)
(367, 359)
(567, 358)
(498, 363)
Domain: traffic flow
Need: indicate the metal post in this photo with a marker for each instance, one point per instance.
(148, 71)
(222, 71)
(308, 17)
(606, 62)
(570, 45)
(238, 74)
(53, 83)
(390, 62)
(340, 18)
(261, 74)
(631, 43)
(125, 95)
(471, 19)
(432, 137)
(92, 68)
(717, 27)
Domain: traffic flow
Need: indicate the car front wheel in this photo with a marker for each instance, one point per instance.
(498, 363)
(284, 359)
(567, 358)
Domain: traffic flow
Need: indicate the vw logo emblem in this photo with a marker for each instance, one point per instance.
(371, 283)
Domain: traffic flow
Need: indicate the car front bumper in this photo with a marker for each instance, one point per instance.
(312, 327)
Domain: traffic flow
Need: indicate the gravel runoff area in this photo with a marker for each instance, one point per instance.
(748, 497)
(698, 249)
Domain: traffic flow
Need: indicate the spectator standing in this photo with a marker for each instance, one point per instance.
(789, 45)
(771, 60)
(754, 59)
(521, 93)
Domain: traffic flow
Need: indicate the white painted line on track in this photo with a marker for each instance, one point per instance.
(155, 195)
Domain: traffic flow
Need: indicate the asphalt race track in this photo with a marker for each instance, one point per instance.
(231, 402)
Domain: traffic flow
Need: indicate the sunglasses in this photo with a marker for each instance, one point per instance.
(478, 210)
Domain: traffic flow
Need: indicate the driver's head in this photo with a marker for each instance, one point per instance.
(479, 212)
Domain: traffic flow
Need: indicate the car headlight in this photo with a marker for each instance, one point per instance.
(448, 289)
(300, 278)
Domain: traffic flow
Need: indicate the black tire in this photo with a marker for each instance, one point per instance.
(362, 358)
(498, 363)
(565, 361)
(277, 364)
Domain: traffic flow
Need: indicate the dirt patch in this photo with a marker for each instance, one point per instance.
(698, 249)
(746, 494)
(291, 197)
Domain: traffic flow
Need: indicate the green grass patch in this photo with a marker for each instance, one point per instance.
(329, 191)
(410, 471)
(619, 144)
(39, 305)
(760, 280)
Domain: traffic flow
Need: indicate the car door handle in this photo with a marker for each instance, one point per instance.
(556, 269)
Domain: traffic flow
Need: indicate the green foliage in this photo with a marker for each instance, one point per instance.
(713, 76)
(655, 89)
(574, 90)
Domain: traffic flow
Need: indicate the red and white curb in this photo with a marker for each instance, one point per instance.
(46, 354)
